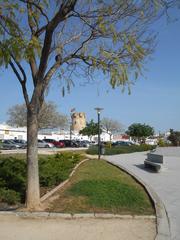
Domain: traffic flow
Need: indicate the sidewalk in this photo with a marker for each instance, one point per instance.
(166, 184)
(18, 228)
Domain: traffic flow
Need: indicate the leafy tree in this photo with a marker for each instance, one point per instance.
(90, 130)
(61, 38)
(140, 131)
(48, 116)
(174, 137)
(111, 126)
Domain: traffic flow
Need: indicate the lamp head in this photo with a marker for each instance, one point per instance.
(98, 109)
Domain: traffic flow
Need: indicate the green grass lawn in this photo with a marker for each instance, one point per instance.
(102, 188)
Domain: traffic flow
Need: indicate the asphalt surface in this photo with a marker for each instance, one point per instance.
(47, 151)
(166, 183)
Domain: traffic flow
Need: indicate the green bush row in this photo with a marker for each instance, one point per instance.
(12, 175)
(9, 196)
(55, 169)
(121, 149)
(52, 171)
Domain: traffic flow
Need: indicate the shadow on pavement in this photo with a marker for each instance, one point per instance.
(141, 166)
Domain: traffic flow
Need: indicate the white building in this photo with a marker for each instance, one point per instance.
(8, 132)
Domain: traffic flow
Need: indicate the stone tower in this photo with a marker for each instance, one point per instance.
(78, 121)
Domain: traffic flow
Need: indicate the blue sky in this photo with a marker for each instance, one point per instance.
(154, 99)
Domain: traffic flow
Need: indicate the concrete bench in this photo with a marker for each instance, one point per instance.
(154, 161)
(156, 166)
(153, 157)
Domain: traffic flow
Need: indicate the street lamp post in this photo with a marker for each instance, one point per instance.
(71, 123)
(98, 109)
(70, 133)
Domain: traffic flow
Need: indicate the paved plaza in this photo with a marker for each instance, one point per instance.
(166, 183)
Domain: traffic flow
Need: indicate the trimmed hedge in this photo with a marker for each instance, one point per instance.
(9, 196)
(121, 149)
(55, 169)
(52, 171)
(12, 177)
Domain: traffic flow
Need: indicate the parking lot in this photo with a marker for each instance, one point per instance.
(47, 151)
(54, 145)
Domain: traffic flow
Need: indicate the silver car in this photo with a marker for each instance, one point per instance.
(9, 144)
(43, 144)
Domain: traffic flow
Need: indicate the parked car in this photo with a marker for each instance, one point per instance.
(93, 143)
(83, 143)
(122, 143)
(43, 144)
(69, 143)
(21, 143)
(9, 144)
(57, 144)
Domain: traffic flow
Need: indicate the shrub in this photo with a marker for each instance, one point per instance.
(13, 175)
(162, 143)
(9, 196)
(92, 150)
(55, 169)
(52, 171)
(121, 149)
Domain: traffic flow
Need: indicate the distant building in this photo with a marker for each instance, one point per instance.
(78, 121)
(121, 137)
(104, 137)
(8, 132)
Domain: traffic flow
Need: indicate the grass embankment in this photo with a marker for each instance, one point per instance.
(53, 170)
(120, 149)
(102, 188)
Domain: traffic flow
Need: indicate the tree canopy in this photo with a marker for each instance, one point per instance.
(174, 137)
(49, 117)
(77, 36)
(139, 130)
(111, 126)
(91, 129)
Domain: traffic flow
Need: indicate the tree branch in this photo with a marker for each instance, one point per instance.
(61, 15)
(37, 7)
(22, 82)
(5, 19)
(50, 73)
(83, 43)
(68, 41)
(20, 68)
(30, 22)
(33, 66)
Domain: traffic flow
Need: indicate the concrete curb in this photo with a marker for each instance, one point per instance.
(48, 194)
(54, 215)
(163, 225)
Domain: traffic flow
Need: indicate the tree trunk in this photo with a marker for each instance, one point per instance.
(33, 193)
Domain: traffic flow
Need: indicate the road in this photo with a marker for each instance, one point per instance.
(47, 151)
